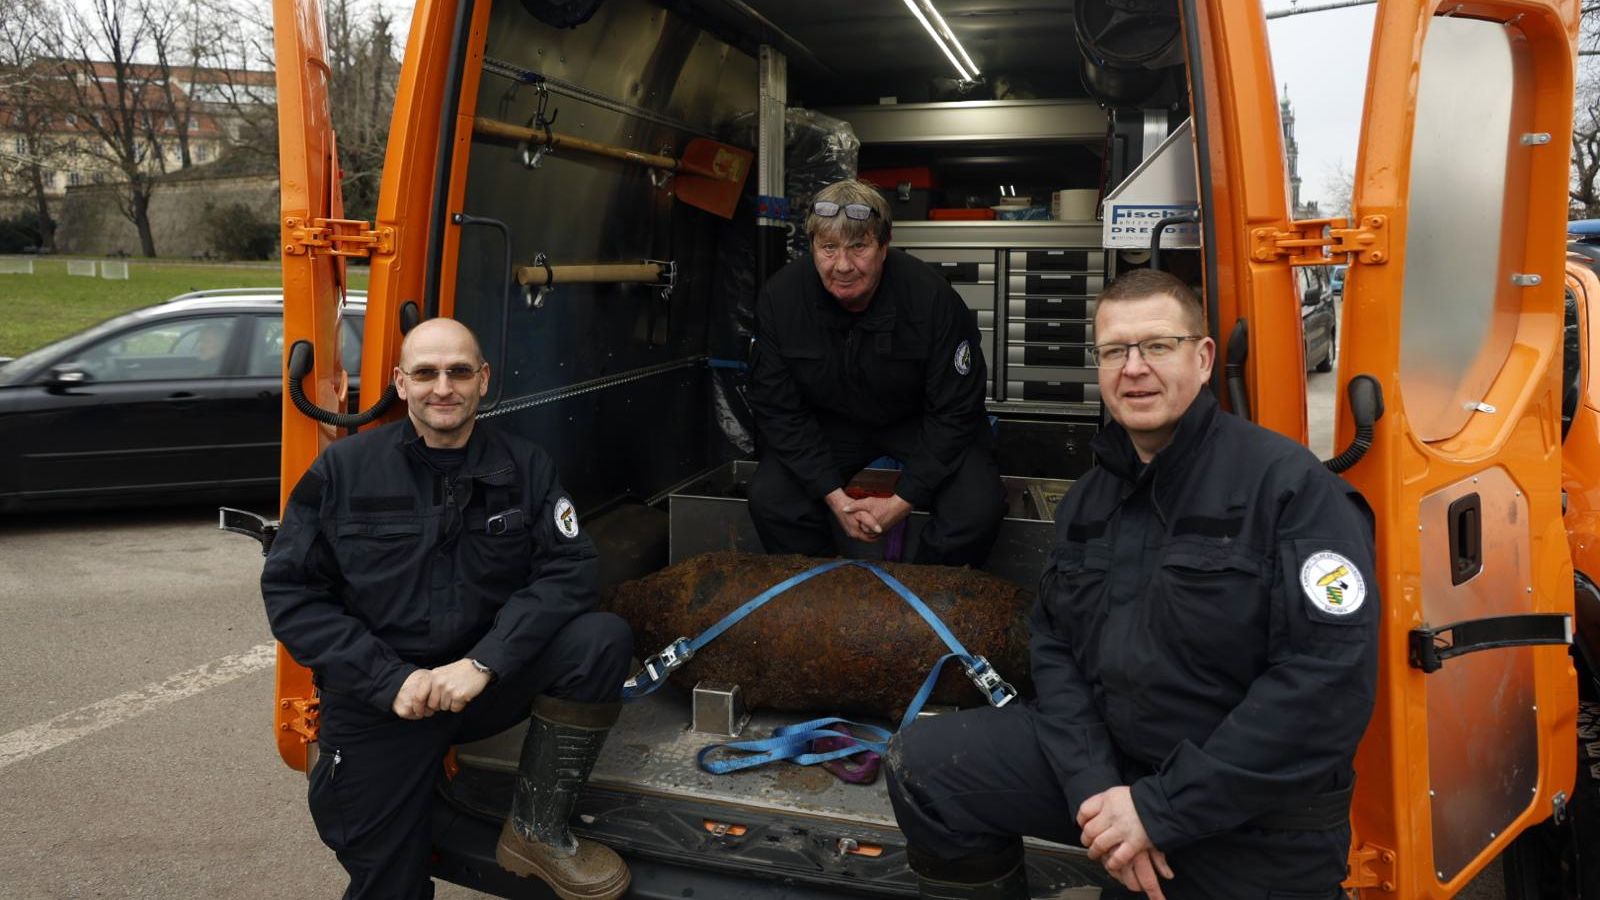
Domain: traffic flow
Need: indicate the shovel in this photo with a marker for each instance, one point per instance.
(710, 175)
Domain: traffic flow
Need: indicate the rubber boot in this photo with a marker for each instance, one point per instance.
(563, 742)
(998, 876)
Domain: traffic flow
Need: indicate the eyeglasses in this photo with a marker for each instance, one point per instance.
(425, 374)
(1152, 350)
(827, 209)
(854, 248)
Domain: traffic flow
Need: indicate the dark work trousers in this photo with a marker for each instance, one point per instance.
(970, 784)
(966, 512)
(372, 788)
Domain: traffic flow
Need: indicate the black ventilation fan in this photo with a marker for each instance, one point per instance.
(562, 13)
(1127, 46)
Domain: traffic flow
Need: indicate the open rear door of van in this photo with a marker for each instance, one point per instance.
(312, 292)
(1453, 303)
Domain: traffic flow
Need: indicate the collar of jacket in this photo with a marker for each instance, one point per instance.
(1113, 448)
(880, 313)
(487, 459)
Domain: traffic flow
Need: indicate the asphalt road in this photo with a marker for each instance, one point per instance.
(136, 753)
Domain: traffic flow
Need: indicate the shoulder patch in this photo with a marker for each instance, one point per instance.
(566, 518)
(1332, 583)
(308, 492)
(963, 358)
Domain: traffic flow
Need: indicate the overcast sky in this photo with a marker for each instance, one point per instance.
(1321, 59)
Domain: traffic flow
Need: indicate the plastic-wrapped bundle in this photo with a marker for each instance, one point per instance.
(817, 151)
(842, 642)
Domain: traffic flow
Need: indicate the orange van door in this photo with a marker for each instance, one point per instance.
(1244, 194)
(1453, 303)
(312, 290)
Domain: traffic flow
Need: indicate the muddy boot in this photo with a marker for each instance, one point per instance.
(563, 742)
(1000, 876)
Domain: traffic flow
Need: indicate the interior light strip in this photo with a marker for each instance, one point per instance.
(950, 36)
(937, 39)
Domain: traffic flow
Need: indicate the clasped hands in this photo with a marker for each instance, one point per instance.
(867, 518)
(445, 689)
(1115, 836)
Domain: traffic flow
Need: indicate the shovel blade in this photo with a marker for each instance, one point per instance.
(711, 176)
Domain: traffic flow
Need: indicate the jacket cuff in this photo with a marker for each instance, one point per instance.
(822, 487)
(1156, 815)
(492, 652)
(914, 492)
(388, 685)
(1087, 783)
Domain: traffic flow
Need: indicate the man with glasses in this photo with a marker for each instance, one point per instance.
(863, 351)
(1204, 654)
(432, 575)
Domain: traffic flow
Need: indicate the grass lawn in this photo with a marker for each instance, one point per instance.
(50, 304)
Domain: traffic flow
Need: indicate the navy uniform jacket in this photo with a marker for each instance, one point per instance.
(1206, 630)
(914, 354)
(383, 565)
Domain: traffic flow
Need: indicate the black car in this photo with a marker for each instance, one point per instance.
(177, 401)
(1319, 323)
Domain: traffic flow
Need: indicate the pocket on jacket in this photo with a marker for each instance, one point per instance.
(1071, 588)
(382, 560)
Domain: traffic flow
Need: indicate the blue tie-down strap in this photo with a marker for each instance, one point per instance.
(791, 742)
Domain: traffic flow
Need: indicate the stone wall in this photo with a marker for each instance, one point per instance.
(91, 221)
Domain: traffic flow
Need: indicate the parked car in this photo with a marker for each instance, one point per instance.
(178, 401)
(1336, 280)
(1583, 237)
(1318, 321)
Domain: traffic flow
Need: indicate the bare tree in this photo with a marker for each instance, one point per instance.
(178, 39)
(239, 92)
(361, 85)
(26, 107)
(114, 95)
(1585, 189)
(1339, 183)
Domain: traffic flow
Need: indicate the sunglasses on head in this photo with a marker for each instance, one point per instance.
(827, 209)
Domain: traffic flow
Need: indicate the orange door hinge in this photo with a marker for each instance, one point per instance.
(303, 717)
(1371, 868)
(1319, 242)
(336, 237)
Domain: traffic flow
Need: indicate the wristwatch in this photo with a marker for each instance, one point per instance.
(481, 668)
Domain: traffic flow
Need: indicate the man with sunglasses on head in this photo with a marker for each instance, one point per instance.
(1204, 653)
(862, 351)
(432, 575)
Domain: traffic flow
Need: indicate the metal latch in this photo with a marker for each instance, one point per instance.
(1430, 647)
(249, 524)
(336, 237)
(1317, 242)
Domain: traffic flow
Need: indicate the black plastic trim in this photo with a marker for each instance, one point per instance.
(1430, 647)
(1202, 136)
(437, 217)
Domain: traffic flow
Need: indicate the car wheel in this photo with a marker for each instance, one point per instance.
(1327, 361)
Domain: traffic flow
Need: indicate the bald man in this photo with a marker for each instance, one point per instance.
(432, 575)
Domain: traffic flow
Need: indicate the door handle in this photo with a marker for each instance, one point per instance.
(1466, 538)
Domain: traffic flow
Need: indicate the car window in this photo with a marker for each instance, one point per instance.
(174, 348)
(266, 348)
(350, 345)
